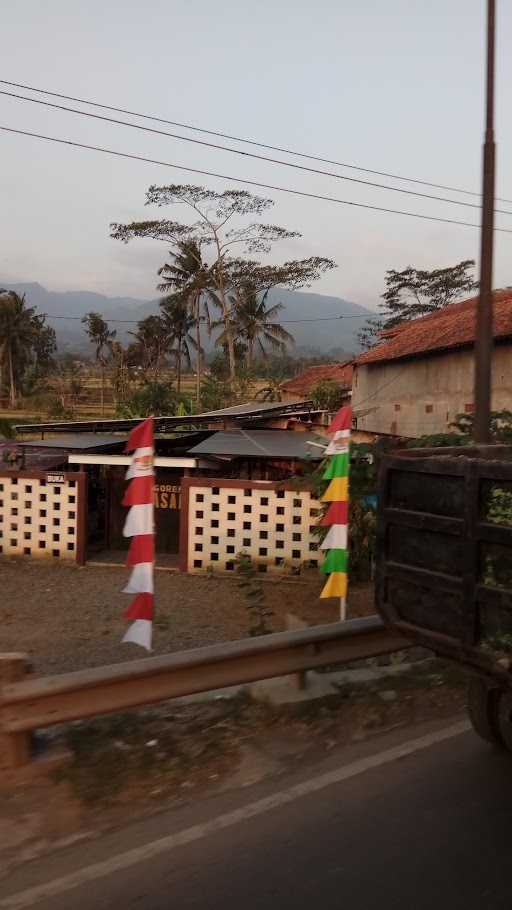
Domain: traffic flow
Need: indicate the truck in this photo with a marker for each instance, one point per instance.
(444, 566)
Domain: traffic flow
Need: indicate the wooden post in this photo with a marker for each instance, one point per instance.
(81, 527)
(15, 748)
(484, 317)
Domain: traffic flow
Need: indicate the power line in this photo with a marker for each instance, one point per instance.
(381, 387)
(273, 148)
(281, 321)
(266, 186)
(234, 151)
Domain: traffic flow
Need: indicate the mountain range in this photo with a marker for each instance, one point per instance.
(316, 334)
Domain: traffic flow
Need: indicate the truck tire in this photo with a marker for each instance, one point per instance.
(483, 710)
(504, 715)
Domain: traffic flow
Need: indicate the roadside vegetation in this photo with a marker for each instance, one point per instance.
(216, 339)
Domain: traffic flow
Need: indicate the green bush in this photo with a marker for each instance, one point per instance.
(7, 428)
(327, 395)
(259, 612)
(155, 398)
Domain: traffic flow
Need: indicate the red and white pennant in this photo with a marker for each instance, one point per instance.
(139, 526)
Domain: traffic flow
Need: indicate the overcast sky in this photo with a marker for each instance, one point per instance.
(395, 86)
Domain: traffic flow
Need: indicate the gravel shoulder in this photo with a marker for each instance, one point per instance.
(70, 618)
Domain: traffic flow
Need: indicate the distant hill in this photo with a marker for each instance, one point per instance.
(318, 336)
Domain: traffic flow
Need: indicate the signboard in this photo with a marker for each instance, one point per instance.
(167, 496)
(55, 478)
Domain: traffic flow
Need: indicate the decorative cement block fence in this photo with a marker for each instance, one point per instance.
(272, 524)
(42, 514)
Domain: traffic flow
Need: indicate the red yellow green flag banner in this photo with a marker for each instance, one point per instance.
(335, 543)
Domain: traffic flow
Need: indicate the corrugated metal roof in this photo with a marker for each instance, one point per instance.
(252, 410)
(82, 441)
(261, 444)
(33, 459)
(251, 407)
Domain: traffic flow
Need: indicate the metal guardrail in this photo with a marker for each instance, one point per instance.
(42, 702)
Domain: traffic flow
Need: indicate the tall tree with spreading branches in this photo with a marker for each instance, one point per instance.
(223, 223)
(417, 292)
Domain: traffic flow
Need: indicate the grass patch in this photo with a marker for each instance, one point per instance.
(136, 752)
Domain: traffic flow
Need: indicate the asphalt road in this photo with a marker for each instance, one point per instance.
(393, 824)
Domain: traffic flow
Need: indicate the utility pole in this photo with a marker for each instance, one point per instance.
(484, 320)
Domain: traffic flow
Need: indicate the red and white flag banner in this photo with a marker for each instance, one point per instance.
(139, 526)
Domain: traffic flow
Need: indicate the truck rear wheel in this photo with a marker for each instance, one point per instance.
(504, 715)
(484, 709)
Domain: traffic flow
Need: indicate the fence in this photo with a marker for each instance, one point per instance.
(43, 514)
(220, 518)
(28, 705)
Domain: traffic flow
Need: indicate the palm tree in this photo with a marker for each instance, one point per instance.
(179, 323)
(101, 337)
(151, 344)
(19, 331)
(253, 323)
(190, 277)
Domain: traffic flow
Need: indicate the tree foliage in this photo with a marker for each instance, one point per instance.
(101, 337)
(188, 277)
(463, 432)
(223, 224)
(412, 293)
(178, 323)
(149, 348)
(327, 394)
(253, 323)
(220, 392)
(500, 426)
(99, 334)
(155, 399)
(27, 344)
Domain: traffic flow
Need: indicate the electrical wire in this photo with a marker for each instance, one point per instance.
(222, 135)
(234, 151)
(281, 321)
(381, 387)
(267, 186)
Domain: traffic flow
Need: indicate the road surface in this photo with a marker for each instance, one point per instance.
(418, 819)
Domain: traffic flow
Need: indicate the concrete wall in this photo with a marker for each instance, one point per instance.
(422, 396)
(220, 518)
(42, 514)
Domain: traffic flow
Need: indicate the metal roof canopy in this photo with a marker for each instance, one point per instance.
(261, 444)
(84, 442)
(248, 411)
(124, 460)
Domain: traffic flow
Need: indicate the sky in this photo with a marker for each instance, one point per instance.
(394, 86)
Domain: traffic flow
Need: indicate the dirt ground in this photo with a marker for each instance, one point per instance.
(69, 618)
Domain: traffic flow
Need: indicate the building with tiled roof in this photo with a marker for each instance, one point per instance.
(301, 385)
(420, 376)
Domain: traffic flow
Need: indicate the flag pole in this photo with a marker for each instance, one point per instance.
(335, 563)
(140, 526)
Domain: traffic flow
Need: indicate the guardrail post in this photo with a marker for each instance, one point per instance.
(15, 748)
